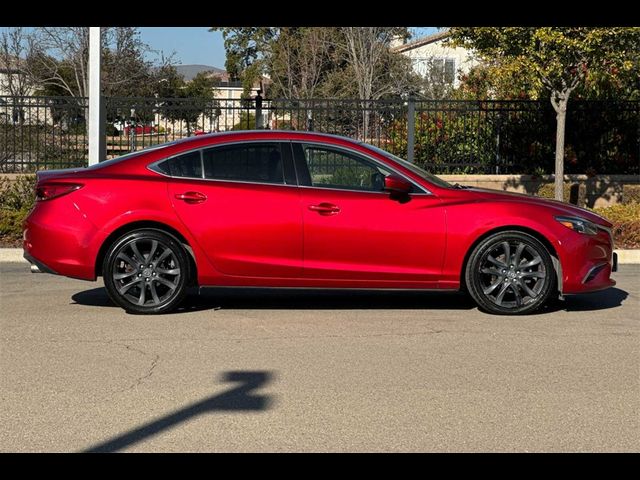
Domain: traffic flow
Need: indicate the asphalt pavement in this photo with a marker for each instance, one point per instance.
(297, 371)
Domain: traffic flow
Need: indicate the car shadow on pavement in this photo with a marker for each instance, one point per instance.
(301, 299)
(604, 299)
(239, 399)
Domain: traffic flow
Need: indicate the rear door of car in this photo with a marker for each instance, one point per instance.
(242, 204)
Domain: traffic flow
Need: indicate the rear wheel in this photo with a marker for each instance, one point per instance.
(146, 271)
(510, 273)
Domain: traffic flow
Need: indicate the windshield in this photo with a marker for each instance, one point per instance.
(131, 155)
(414, 168)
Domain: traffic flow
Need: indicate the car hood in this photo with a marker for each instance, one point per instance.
(561, 207)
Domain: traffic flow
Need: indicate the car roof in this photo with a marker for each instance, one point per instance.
(298, 134)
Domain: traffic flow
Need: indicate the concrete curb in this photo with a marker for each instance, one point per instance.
(15, 255)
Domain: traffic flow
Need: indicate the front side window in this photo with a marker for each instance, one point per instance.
(187, 165)
(332, 168)
(261, 163)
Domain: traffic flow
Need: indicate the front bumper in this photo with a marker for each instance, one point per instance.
(587, 262)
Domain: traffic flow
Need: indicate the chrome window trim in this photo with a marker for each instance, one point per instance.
(423, 190)
(153, 166)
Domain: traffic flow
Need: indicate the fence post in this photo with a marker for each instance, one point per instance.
(411, 128)
(310, 120)
(132, 131)
(498, 143)
(96, 131)
(259, 110)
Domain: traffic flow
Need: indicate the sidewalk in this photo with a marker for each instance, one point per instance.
(15, 255)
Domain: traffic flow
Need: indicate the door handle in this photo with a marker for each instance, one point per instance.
(325, 208)
(191, 197)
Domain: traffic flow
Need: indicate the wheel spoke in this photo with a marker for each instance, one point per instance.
(136, 252)
(154, 246)
(516, 291)
(164, 255)
(529, 292)
(491, 271)
(492, 287)
(124, 289)
(127, 259)
(532, 263)
(500, 296)
(507, 252)
(154, 294)
(518, 254)
(122, 276)
(143, 294)
(169, 284)
(172, 271)
(496, 261)
(534, 274)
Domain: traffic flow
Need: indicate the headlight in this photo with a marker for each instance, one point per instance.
(579, 225)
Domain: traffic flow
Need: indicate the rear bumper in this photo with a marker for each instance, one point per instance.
(40, 267)
(58, 239)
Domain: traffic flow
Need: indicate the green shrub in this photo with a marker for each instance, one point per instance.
(247, 122)
(631, 194)
(18, 194)
(547, 190)
(626, 223)
(11, 225)
(16, 200)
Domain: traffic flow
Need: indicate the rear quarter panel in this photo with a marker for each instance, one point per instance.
(120, 200)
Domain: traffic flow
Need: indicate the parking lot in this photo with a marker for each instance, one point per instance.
(265, 370)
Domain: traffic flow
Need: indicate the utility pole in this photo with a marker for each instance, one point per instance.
(97, 138)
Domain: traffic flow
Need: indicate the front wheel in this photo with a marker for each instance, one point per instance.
(510, 273)
(146, 271)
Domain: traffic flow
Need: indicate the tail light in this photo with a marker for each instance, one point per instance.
(50, 190)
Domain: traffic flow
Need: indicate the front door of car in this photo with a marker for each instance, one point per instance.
(244, 210)
(355, 231)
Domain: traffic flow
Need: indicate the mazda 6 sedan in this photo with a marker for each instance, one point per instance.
(297, 209)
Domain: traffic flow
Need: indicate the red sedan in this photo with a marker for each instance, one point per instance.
(294, 209)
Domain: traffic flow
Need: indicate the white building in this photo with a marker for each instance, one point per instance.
(431, 51)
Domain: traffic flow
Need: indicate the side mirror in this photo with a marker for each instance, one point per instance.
(393, 183)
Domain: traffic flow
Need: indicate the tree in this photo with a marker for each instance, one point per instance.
(366, 48)
(247, 48)
(13, 53)
(560, 58)
(58, 61)
(186, 101)
(300, 61)
(305, 62)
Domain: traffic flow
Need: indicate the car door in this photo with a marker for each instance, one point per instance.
(242, 205)
(354, 230)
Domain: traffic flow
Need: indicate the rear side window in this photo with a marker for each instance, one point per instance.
(254, 162)
(187, 165)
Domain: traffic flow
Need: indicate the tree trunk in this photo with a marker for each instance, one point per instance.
(560, 106)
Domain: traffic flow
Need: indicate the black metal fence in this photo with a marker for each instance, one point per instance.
(445, 136)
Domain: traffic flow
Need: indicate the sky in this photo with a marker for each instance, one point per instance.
(196, 45)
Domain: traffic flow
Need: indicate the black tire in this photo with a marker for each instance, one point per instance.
(146, 272)
(510, 273)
